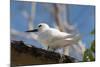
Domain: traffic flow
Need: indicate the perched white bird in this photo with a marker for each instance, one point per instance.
(53, 38)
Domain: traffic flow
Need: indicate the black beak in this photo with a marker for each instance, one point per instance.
(35, 30)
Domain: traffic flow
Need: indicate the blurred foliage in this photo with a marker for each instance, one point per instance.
(89, 54)
(93, 46)
(93, 32)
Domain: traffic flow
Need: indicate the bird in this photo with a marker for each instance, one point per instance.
(53, 38)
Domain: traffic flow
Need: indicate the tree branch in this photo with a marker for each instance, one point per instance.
(22, 54)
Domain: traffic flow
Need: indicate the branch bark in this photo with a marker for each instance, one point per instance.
(22, 54)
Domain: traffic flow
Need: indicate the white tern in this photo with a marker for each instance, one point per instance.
(53, 38)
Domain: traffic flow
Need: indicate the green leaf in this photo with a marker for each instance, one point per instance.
(93, 46)
(88, 55)
(93, 32)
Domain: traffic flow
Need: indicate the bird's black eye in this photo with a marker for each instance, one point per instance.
(40, 25)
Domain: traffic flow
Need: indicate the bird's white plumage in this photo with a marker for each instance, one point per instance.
(54, 39)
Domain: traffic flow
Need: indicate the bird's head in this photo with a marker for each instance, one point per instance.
(40, 28)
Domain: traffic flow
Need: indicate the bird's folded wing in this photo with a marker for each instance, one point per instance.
(56, 34)
(64, 41)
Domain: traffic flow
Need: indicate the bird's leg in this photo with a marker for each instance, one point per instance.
(64, 52)
(48, 48)
(62, 57)
(61, 54)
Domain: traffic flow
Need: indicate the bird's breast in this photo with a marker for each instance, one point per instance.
(44, 38)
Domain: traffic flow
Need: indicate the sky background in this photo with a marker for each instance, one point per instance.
(82, 16)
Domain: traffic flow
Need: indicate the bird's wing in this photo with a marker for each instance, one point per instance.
(56, 34)
(69, 38)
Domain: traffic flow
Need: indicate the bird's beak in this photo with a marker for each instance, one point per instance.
(35, 30)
